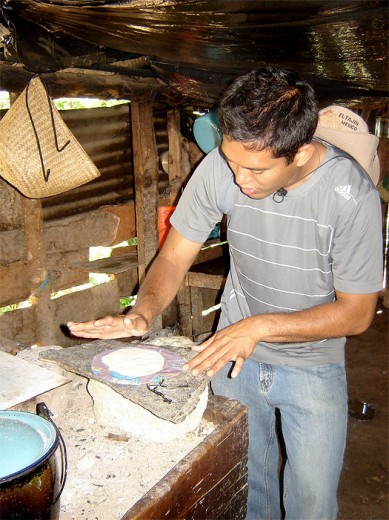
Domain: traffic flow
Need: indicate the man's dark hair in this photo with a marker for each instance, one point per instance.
(269, 108)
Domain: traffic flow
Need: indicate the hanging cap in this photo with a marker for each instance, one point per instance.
(349, 132)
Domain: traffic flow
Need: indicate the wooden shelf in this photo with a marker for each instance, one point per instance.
(211, 274)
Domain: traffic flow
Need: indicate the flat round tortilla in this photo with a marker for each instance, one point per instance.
(134, 362)
(136, 365)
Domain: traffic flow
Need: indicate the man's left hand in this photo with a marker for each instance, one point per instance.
(230, 344)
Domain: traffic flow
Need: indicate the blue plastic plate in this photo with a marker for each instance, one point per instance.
(26, 439)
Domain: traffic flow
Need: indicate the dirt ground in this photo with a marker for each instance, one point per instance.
(363, 493)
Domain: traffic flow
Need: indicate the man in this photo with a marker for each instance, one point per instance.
(305, 244)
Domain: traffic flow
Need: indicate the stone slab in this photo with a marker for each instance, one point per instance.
(173, 401)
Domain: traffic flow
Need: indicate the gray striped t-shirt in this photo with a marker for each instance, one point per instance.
(290, 256)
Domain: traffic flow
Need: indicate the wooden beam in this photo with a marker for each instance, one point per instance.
(40, 285)
(96, 228)
(40, 281)
(81, 83)
(145, 159)
(126, 214)
(209, 275)
(179, 164)
(15, 277)
(111, 265)
(184, 310)
(97, 301)
(14, 283)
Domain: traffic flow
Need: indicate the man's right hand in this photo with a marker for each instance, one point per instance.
(111, 327)
(158, 289)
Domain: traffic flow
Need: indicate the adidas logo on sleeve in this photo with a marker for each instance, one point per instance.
(344, 191)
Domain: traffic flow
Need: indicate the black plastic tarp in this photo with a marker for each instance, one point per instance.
(197, 46)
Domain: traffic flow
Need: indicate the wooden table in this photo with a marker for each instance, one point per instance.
(211, 481)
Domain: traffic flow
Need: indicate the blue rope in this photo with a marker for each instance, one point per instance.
(42, 285)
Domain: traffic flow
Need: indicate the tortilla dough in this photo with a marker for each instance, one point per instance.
(134, 362)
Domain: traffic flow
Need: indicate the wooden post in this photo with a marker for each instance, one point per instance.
(146, 172)
(174, 155)
(184, 311)
(179, 169)
(41, 284)
(179, 165)
(40, 288)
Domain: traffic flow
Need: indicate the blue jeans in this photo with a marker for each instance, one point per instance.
(312, 401)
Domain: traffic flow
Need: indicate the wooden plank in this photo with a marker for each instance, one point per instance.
(14, 283)
(40, 286)
(146, 174)
(212, 249)
(197, 307)
(66, 240)
(174, 155)
(15, 277)
(12, 246)
(110, 265)
(209, 281)
(21, 380)
(10, 212)
(86, 305)
(179, 162)
(97, 228)
(201, 300)
(39, 282)
(127, 227)
(226, 500)
(128, 284)
(95, 302)
(210, 274)
(208, 271)
(146, 182)
(190, 304)
(63, 277)
(195, 488)
(215, 266)
(10, 346)
(81, 82)
(184, 310)
(19, 326)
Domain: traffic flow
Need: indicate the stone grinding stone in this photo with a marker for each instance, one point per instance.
(178, 396)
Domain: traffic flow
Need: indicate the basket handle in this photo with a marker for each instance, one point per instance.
(46, 174)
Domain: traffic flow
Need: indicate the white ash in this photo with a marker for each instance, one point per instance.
(108, 473)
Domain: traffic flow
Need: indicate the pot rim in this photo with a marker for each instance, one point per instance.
(24, 436)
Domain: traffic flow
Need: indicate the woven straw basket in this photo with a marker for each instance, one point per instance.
(38, 153)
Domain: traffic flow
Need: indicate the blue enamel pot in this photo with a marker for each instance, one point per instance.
(30, 479)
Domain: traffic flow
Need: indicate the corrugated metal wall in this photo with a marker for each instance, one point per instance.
(105, 134)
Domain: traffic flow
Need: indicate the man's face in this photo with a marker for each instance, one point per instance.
(257, 173)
